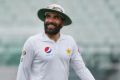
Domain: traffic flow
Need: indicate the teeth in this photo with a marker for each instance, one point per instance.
(51, 26)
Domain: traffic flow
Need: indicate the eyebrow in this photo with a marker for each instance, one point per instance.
(55, 13)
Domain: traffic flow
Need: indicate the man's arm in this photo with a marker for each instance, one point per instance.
(25, 61)
(79, 66)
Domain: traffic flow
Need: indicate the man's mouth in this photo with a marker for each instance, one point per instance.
(51, 27)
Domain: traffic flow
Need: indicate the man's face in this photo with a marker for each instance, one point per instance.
(53, 23)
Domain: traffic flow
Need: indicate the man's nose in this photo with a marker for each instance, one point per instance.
(50, 19)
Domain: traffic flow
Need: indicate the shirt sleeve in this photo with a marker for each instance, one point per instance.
(79, 66)
(25, 61)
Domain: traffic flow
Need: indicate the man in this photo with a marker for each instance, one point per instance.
(47, 56)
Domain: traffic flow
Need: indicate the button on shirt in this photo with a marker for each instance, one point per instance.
(44, 59)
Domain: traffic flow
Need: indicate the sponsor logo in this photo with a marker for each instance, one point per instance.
(48, 50)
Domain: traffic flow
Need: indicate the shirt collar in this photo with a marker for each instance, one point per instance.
(46, 38)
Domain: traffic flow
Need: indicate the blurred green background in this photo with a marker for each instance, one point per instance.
(96, 29)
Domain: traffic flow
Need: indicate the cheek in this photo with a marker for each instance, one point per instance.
(45, 20)
(58, 21)
(61, 23)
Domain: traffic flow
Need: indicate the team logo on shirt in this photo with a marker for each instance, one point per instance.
(48, 49)
(23, 52)
(68, 51)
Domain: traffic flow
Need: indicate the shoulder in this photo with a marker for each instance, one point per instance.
(67, 37)
(33, 38)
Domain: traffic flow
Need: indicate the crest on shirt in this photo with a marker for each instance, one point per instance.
(68, 51)
(23, 52)
(48, 50)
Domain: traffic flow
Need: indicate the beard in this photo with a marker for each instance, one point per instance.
(54, 30)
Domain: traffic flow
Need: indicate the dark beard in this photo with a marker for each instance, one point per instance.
(53, 31)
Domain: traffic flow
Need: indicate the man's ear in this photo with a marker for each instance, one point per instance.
(63, 23)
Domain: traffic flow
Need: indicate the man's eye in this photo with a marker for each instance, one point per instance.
(47, 16)
(56, 17)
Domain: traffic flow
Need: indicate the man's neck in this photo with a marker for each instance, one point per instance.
(54, 37)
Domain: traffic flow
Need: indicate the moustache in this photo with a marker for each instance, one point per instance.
(50, 24)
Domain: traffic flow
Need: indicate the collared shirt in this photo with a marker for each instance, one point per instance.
(44, 59)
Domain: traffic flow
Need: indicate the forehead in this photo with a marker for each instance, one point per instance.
(54, 14)
(51, 13)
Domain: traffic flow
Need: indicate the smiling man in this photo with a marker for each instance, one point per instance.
(47, 56)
